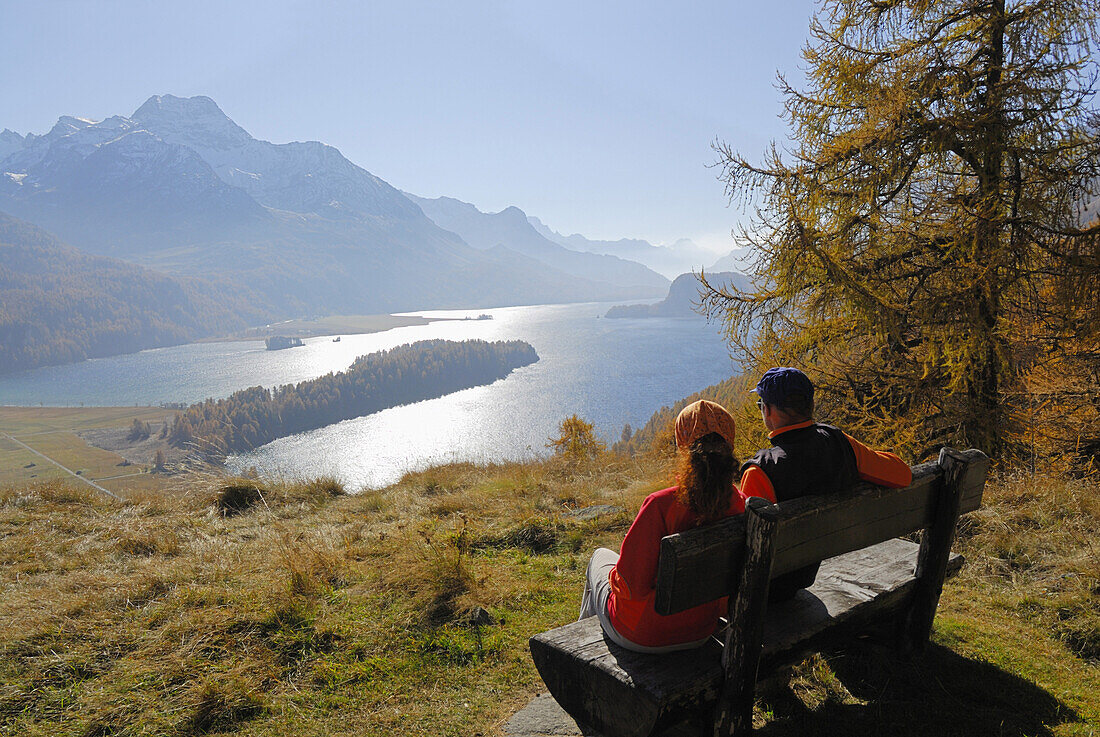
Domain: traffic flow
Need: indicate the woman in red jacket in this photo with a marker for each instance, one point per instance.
(620, 588)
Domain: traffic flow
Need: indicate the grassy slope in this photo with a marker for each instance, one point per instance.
(319, 614)
(334, 615)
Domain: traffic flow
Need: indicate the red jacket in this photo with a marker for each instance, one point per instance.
(630, 605)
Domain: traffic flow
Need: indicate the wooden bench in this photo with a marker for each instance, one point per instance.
(867, 576)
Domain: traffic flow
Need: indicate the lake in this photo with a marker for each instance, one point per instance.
(610, 372)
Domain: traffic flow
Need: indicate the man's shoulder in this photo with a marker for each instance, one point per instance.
(764, 457)
(811, 439)
(804, 432)
(819, 432)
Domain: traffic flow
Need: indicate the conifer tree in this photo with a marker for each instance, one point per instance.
(928, 227)
(576, 439)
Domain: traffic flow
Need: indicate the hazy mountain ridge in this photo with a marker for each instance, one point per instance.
(511, 228)
(59, 305)
(670, 261)
(181, 187)
(736, 260)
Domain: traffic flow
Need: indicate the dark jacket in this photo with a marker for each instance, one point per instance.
(806, 461)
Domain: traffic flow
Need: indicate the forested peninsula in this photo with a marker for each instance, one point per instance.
(409, 373)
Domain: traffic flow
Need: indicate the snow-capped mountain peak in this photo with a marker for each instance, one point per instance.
(197, 122)
(66, 125)
(70, 139)
(300, 177)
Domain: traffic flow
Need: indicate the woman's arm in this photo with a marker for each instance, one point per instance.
(635, 575)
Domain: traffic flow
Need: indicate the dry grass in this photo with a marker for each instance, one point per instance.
(22, 421)
(230, 605)
(1035, 551)
(407, 610)
(238, 496)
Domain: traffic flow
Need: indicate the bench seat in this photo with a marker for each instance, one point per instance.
(640, 693)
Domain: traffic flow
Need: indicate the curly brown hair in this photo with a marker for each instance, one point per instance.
(706, 470)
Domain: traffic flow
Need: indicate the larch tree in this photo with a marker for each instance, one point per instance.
(576, 440)
(928, 229)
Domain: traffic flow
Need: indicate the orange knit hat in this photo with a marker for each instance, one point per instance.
(703, 417)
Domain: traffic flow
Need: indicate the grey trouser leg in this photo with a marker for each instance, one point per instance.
(597, 590)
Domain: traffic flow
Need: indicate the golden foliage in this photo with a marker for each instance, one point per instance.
(925, 235)
(576, 440)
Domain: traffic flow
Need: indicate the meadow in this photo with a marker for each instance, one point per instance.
(54, 432)
(258, 607)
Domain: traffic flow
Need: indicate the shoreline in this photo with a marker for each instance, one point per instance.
(297, 328)
(322, 326)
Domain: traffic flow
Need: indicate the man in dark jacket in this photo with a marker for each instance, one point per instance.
(807, 457)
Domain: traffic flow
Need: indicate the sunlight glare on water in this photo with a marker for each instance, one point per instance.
(608, 371)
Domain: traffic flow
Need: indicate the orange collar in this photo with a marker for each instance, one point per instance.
(796, 426)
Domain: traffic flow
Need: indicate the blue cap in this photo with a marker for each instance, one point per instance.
(778, 383)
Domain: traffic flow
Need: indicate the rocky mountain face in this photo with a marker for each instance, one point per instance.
(113, 187)
(308, 177)
(510, 228)
(10, 142)
(179, 186)
(683, 296)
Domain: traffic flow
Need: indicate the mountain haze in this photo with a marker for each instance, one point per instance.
(739, 259)
(682, 256)
(682, 298)
(511, 229)
(59, 305)
(179, 187)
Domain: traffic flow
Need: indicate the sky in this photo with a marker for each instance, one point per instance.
(598, 118)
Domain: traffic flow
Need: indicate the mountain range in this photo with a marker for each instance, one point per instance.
(174, 223)
(179, 187)
(512, 228)
(681, 257)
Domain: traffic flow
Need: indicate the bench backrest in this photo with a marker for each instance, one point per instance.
(697, 566)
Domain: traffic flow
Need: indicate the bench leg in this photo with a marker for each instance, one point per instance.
(733, 714)
(935, 549)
